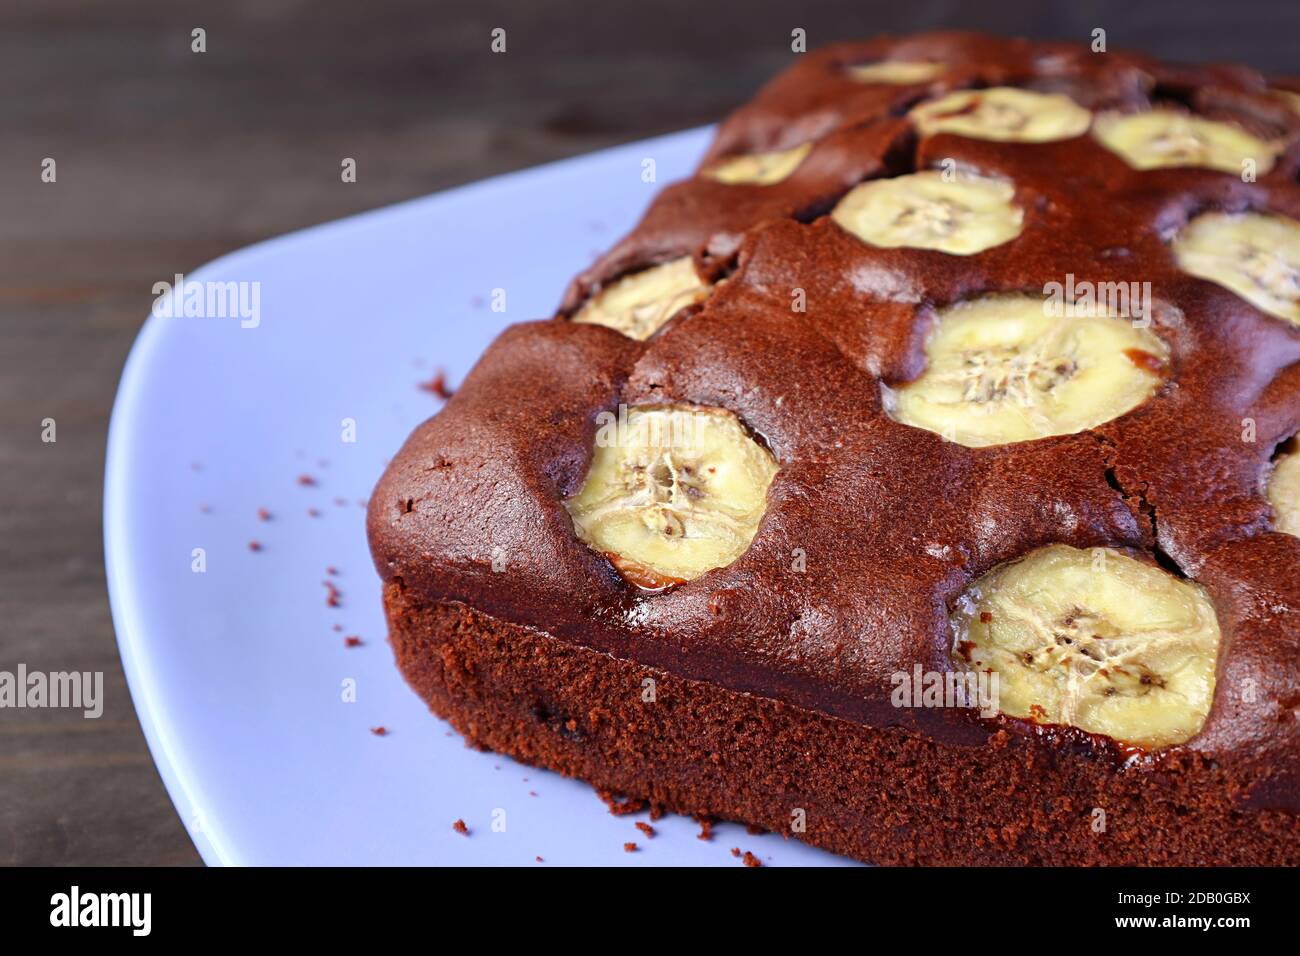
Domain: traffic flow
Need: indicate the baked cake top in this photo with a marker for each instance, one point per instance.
(957, 355)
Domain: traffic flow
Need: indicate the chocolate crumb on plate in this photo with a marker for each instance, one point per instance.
(437, 385)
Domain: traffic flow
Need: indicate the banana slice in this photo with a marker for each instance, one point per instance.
(1093, 639)
(639, 304)
(1160, 138)
(758, 169)
(1000, 369)
(1003, 113)
(673, 491)
(1256, 255)
(1284, 494)
(923, 211)
(897, 72)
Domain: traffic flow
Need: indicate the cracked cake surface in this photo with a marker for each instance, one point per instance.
(879, 519)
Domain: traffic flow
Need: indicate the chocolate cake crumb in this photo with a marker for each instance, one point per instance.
(353, 641)
(622, 806)
(254, 545)
(751, 860)
(380, 731)
(630, 848)
(706, 828)
(645, 828)
(437, 385)
(735, 851)
(263, 514)
(333, 596)
(313, 512)
(539, 859)
(459, 827)
(307, 481)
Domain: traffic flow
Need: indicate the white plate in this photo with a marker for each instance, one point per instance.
(237, 672)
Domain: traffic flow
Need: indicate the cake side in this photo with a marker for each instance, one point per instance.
(878, 794)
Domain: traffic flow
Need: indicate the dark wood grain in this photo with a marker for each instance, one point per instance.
(167, 158)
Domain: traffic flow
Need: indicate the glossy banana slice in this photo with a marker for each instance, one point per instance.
(1256, 255)
(1160, 138)
(639, 304)
(1093, 639)
(924, 211)
(1284, 494)
(1000, 369)
(1003, 113)
(758, 169)
(672, 492)
(897, 72)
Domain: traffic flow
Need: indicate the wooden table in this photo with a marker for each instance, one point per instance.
(167, 158)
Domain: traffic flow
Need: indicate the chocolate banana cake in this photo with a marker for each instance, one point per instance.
(917, 479)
